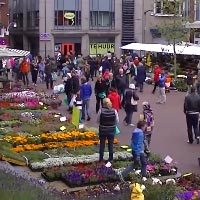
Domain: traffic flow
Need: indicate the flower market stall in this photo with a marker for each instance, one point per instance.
(34, 135)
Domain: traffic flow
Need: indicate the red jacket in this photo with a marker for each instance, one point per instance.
(115, 100)
(157, 71)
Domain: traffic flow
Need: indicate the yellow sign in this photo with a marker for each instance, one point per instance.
(75, 116)
(101, 48)
(69, 15)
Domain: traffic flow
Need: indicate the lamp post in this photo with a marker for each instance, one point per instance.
(11, 24)
(145, 25)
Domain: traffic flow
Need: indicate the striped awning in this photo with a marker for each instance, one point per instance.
(21, 52)
(7, 52)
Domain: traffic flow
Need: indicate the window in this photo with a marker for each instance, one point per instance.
(102, 13)
(32, 13)
(197, 10)
(167, 7)
(67, 13)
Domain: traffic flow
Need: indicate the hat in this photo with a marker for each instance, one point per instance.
(132, 86)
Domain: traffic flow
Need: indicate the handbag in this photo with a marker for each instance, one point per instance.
(117, 131)
(133, 102)
(102, 95)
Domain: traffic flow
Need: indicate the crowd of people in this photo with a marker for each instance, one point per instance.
(117, 83)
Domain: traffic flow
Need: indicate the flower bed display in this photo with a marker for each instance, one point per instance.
(53, 145)
(69, 160)
(88, 175)
(51, 137)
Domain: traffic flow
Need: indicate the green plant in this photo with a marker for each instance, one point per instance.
(160, 192)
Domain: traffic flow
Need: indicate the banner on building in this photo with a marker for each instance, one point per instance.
(101, 48)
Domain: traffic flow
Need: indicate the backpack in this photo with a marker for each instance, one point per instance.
(149, 119)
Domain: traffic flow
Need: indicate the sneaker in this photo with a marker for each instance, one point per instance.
(88, 119)
(197, 140)
(131, 124)
(189, 142)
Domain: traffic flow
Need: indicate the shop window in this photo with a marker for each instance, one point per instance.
(67, 13)
(67, 18)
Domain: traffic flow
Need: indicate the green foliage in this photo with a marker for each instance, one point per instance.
(160, 192)
(34, 156)
(173, 29)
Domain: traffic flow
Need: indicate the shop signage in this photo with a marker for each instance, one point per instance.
(69, 15)
(45, 37)
(101, 48)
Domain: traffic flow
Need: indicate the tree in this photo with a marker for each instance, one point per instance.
(173, 29)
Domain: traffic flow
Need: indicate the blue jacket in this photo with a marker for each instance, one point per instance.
(162, 81)
(137, 141)
(85, 91)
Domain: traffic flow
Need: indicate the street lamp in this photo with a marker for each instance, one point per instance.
(145, 25)
(11, 24)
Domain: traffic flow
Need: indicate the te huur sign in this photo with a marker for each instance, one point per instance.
(101, 48)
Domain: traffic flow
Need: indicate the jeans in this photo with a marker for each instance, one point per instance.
(102, 138)
(141, 85)
(129, 115)
(192, 122)
(121, 92)
(98, 102)
(25, 78)
(34, 76)
(155, 86)
(138, 160)
(85, 107)
(49, 80)
(161, 95)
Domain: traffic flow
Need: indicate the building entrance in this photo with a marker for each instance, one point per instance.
(67, 47)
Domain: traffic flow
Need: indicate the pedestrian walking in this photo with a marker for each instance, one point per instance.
(148, 117)
(161, 91)
(122, 83)
(191, 110)
(85, 93)
(131, 99)
(139, 152)
(24, 69)
(157, 72)
(141, 76)
(34, 72)
(114, 98)
(108, 119)
(48, 70)
(100, 92)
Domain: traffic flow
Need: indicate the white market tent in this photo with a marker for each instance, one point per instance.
(185, 49)
(6, 52)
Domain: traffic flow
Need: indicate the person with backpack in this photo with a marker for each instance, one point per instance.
(147, 116)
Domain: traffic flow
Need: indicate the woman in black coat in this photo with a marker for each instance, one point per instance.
(131, 99)
(100, 92)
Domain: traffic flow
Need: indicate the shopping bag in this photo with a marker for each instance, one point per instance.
(117, 131)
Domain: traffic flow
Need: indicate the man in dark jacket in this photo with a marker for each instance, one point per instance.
(122, 83)
(107, 119)
(192, 109)
(141, 76)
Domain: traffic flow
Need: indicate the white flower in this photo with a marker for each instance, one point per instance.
(170, 180)
(144, 179)
(143, 187)
(156, 181)
(137, 172)
(117, 188)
